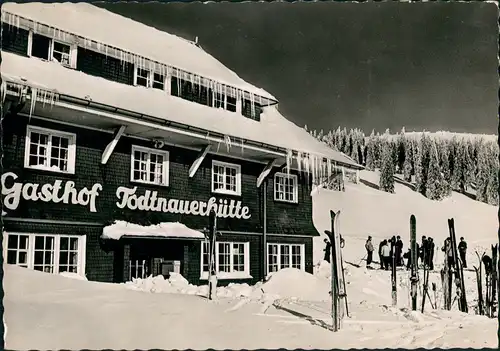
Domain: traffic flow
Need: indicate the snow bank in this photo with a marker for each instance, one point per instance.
(72, 276)
(297, 284)
(177, 284)
(166, 229)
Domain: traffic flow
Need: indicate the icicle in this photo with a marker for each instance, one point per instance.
(34, 93)
(289, 155)
(242, 149)
(299, 162)
(227, 141)
(3, 87)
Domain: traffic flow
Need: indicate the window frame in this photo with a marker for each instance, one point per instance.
(295, 194)
(166, 165)
(51, 133)
(149, 78)
(290, 255)
(81, 251)
(73, 49)
(245, 274)
(226, 165)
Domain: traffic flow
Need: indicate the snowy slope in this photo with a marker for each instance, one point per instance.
(367, 211)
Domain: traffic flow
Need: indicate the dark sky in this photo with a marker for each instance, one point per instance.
(429, 66)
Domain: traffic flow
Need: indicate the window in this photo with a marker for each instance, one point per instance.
(250, 110)
(285, 256)
(226, 178)
(61, 53)
(149, 166)
(232, 260)
(219, 100)
(49, 49)
(50, 150)
(231, 103)
(46, 253)
(149, 79)
(285, 187)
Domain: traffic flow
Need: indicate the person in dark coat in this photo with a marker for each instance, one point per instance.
(380, 257)
(430, 257)
(423, 250)
(327, 250)
(369, 251)
(399, 251)
(462, 250)
(449, 253)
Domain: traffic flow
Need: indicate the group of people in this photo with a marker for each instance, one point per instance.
(391, 251)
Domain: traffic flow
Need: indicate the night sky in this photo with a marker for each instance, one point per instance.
(429, 66)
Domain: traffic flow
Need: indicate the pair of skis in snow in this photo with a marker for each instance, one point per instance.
(489, 306)
(453, 273)
(340, 307)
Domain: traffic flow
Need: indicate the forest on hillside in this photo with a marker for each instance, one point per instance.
(435, 163)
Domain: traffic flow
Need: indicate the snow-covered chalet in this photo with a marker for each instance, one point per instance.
(118, 139)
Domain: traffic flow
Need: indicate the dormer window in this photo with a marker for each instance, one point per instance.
(52, 50)
(60, 53)
(149, 79)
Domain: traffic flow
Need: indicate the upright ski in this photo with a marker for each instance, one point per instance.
(459, 273)
(413, 265)
(394, 289)
(494, 279)
(479, 279)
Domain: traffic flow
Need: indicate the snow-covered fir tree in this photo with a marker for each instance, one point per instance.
(483, 173)
(420, 168)
(469, 164)
(444, 164)
(370, 151)
(354, 147)
(408, 162)
(435, 188)
(493, 184)
(387, 168)
(401, 150)
(458, 180)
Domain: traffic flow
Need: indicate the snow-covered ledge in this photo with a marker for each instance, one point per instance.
(119, 229)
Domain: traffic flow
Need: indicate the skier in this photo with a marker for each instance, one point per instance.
(399, 251)
(386, 254)
(431, 248)
(423, 250)
(462, 250)
(447, 249)
(369, 251)
(327, 250)
(380, 257)
(488, 264)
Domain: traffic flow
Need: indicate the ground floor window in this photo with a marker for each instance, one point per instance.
(285, 256)
(232, 260)
(46, 253)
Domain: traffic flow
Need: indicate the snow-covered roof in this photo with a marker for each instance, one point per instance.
(176, 230)
(273, 129)
(107, 28)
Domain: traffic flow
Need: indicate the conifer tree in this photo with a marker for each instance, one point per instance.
(370, 152)
(419, 165)
(443, 152)
(386, 181)
(377, 150)
(408, 162)
(401, 150)
(483, 173)
(470, 165)
(458, 181)
(493, 184)
(435, 188)
(354, 148)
